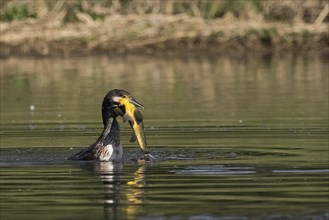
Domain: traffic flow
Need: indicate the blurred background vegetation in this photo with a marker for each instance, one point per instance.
(74, 10)
(76, 27)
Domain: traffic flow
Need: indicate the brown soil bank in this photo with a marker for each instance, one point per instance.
(157, 34)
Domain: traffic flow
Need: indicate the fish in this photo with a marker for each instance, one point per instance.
(135, 118)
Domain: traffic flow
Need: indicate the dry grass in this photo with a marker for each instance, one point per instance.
(66, 28)
(77, 10)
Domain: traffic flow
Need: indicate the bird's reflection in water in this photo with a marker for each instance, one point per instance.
(134, 193)
(123, 194)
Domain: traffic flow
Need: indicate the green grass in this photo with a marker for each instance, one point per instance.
(285, 11)
(17, 12)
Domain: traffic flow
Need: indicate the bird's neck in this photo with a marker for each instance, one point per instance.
(111, 132)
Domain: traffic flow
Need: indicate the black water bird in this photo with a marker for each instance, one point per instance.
(107, 147)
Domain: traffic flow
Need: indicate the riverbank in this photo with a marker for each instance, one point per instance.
(151, 34)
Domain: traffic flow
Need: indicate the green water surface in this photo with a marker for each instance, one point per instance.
(234, 137)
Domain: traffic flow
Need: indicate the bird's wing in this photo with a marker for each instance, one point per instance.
(85, 154)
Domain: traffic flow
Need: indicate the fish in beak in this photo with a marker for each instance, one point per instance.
(135, 118)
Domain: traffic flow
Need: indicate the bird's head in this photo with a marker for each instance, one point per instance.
(117, 101)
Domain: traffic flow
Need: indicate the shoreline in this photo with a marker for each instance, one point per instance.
(158, 34)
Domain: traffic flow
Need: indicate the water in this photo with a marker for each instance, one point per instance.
(234, 138)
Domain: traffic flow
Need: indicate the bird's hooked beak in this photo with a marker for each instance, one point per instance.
(135, 102)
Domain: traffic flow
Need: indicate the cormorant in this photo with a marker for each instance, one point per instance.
(107, 147)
